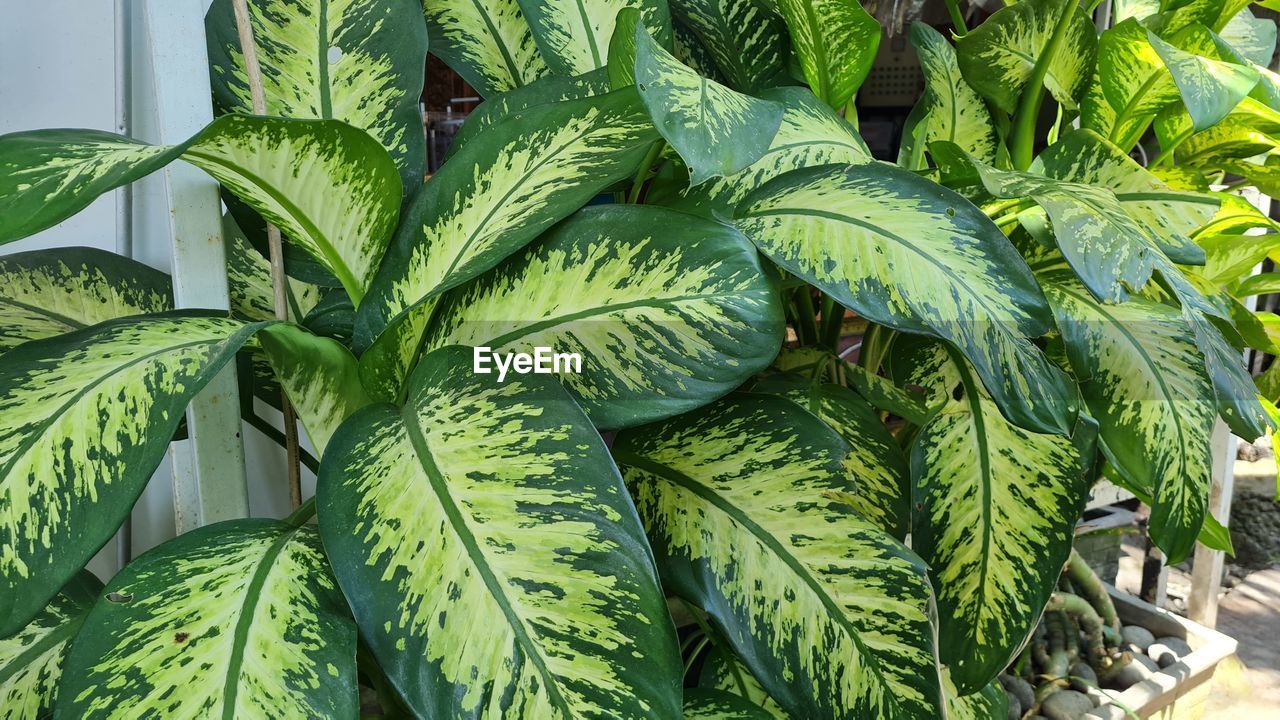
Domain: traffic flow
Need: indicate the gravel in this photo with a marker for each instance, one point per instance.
(1137, 636)
(1066, 705)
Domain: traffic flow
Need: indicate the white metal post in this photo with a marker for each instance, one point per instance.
(209, 473)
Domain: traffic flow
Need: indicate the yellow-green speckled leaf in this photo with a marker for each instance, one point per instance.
(667, 311)
(722, 671)
(1209, 88)
(746, 39)
(904, 252)
(810, 134)
(494, 563)
(876, 465)
(1170, 216)
(487, 42)
(85, 418)
(574, 35)
(543, 91)
(835, 42)
(332, 189)
(702, 704)
(955, 111)
(989, 703)
(319, 374)
(240, 619)
(359, 61)
(717, 131)
(998, 56)
(1148, 389)
(31, 660)
(249, 282)
(741, 502)
(994, 513)
(502, 190)
(49, 292)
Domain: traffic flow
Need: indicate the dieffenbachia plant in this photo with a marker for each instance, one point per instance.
(720, 514)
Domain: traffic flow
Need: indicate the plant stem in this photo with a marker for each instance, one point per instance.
(957, 17)
(832, 323)
(643, 173)
(1023, 137)
(807, 316)
(275, 247)
(305, 512)
(1090, 587)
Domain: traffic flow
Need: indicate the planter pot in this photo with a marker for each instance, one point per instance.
(1098, 539)
(1180, 691)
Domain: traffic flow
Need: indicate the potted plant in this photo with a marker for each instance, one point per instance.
(665, 191)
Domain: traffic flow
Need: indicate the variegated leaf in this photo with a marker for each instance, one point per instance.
(955, 111)
(995, 509)
(241, 619)
(998, 56)
(320, 375)
(1209, 88)
(880, 391)
(904, 252)
(498, 193)
(1254, 38)
(543, 91)
(746, 38)
(31, 661)
(1251, 128)
(85, 418)
(574, 35)
(1170, 216)
(359, 61)
(666, 311)
(835, 42)
(830, 613)
(1233, 387)
(1155, 406)
(249, 283)
(725, 672)
(716, 130)
(718, 705)
(493, 560)
(487, 42)
(810, 134)
(49, 292)
(989, 703)
(331, 188)
(688, 49)
(877, 465)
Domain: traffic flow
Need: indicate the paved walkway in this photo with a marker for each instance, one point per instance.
(1250, 613)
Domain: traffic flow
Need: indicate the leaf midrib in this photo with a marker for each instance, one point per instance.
(60, 634)
(629, 457)
(240, 639)
(439, 487)
(49, 314)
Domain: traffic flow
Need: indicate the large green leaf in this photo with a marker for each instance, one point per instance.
(746, 38)
(702, 704)
(31, 661)
(543, 91)
(1252, 37)
(1154, 404)
(954, 110)
(49, 292)
(241, 619)
(332, 189)
(725, 672)
(1250, 129)
(249, 283)
(998, 56)
(877, 465)
(835, 42)
(320, 376)
(995, 509)
(989, 703)
(810, 134)
(667, 311)
(495, 195)
(742, 501)
(716, 130)
(574, 35)
(1209, 88)
(493, 560)
(85, 418)
(1233, 387)
(359, 61)
(904, 252)
(487, 42)
(1170, 216)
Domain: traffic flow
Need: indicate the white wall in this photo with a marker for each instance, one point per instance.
(58, 68)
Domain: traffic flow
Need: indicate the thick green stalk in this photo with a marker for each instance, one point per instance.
(643, 173)
(957, 17)
(1023, 138)
(806, 316)
(832, 323)
(1090, 587)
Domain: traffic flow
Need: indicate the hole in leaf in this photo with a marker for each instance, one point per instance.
(335, 54)
(958, 392)
(116, 597)
(951, 212)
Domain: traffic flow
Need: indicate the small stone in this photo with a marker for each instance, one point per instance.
(1137, 636)
(1016, 687)
(1097, 696)
(1139, 669)
(1166, 651)
(1066, 705)
(1088, 678)
(1106, 712)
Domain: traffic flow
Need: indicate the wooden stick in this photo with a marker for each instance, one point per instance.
(275, 246)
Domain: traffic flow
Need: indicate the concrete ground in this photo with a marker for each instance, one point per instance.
(1250, 613)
